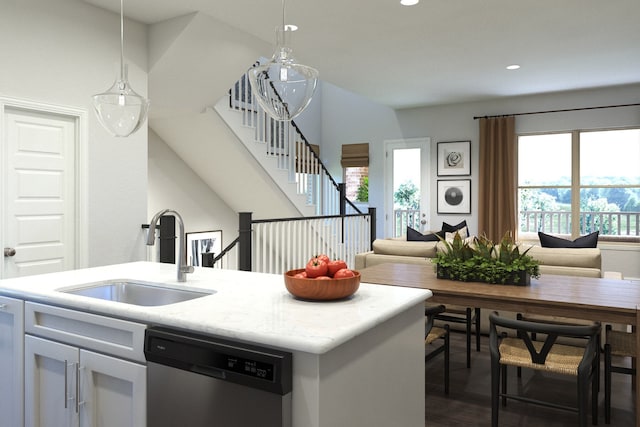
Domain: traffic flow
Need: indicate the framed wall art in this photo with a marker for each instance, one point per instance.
(203, 247)
(454, 158)
(454, 196)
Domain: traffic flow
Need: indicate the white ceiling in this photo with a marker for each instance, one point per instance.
(439, 51)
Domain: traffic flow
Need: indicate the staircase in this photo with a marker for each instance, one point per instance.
(283, 151)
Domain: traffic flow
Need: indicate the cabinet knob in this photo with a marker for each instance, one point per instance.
(9, 252)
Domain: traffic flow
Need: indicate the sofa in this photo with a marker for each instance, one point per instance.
(584, 262)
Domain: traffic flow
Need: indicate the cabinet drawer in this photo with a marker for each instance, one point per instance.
(107, 335)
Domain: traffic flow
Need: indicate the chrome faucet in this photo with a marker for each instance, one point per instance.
(182, 269)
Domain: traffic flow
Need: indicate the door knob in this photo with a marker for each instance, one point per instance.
(9, 252)
(423, 222)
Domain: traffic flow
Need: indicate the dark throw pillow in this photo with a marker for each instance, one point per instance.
(416, 236)
(447, 228)
(588, 241)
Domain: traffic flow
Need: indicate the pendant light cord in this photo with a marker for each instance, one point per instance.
(122, 39)
(283, 21)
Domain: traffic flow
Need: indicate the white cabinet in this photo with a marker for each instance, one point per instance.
(11, 361)
(68, 386)
(71, 384)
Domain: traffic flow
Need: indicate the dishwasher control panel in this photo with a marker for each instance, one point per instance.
(251, 365)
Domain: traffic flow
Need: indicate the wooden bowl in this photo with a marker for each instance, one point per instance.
(321, 290)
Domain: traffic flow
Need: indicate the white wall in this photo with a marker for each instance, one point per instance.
(62, 52)
(174, 185)
(350, 119)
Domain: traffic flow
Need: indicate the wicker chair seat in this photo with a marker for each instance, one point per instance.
(562, 359)
(434, 334)
(622, 343)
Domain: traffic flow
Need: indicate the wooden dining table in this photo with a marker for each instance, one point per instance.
(598, 299)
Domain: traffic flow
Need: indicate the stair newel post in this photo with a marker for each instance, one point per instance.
(168, 239)
(342, 189)
(244, 241)
(372, 224)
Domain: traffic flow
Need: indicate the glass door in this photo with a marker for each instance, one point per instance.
(407, 186)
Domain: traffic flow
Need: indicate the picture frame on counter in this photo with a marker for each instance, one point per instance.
(203, 247)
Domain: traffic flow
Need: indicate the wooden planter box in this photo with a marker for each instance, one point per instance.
(523, 278)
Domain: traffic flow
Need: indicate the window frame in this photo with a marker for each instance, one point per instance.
(575, 187)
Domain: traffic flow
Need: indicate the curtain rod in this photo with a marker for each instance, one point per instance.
(556, 111)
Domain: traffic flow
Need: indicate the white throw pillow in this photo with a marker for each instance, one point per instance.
(464, 233)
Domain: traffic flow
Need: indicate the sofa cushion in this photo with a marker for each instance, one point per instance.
(416, 236)
(561, 257)
(375, 259)
(404, 248)
(588, 241)
(447, 228)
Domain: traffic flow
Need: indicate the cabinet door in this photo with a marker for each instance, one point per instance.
(113, 391)
(51, 383)
(11, 361)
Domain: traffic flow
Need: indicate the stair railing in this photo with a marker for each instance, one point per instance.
(278, 245)
(294, 153)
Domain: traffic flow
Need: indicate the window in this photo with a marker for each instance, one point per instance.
(575, 183)
(355, 162)
(356, 182)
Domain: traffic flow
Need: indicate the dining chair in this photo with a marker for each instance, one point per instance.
(470, 317)
(433, 334)
(622, 344)
(555, 320)
(515, 347)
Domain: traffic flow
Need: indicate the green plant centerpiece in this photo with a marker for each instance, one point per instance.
(483, 261)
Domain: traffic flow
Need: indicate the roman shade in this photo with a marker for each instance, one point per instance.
(355, 155)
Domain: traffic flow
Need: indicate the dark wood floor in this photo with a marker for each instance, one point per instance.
(469, 401)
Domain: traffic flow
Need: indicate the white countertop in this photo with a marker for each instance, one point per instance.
(251, 307)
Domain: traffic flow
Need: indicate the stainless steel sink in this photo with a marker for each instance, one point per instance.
(136, 292)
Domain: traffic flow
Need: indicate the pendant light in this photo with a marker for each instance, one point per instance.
(120, 109)
(283, 87)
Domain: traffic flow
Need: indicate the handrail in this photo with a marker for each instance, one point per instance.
(225, 250)
(313, 153)
(242, 83)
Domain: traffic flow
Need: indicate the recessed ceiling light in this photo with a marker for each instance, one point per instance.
(513, 67)
(409, 2)
(291, 27)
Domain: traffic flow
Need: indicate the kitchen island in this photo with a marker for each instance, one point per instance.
(356, 362)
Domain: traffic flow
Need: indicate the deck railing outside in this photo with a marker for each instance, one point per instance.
(559, 222)
(404, 218)
(552, 222)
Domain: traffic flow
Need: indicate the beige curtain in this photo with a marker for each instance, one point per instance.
(497, 203)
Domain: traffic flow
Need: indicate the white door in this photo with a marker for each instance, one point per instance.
(38, 172)
(50, 383)
(113, 391)
(407, 185)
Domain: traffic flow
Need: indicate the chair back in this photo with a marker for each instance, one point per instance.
(525, 329)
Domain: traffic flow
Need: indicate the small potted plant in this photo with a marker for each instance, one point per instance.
(483, 261)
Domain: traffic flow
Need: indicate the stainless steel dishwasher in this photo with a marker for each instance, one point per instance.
(197, 380)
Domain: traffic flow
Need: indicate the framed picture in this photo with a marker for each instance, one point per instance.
(203, 247)
(454, 196)
(454, 158)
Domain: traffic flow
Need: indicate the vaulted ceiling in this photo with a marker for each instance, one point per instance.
(439, 51)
